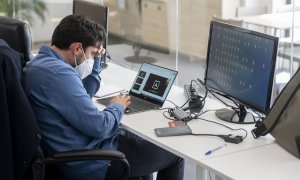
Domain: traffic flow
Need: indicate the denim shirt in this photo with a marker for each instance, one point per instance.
(66, 115)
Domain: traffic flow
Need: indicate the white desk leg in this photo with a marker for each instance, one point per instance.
(218, 177)
(201, 173)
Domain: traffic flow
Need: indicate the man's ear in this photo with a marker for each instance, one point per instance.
(76, 48)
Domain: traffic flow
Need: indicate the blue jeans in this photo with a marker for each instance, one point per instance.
(145, 158)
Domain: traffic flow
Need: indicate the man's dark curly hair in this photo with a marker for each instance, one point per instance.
(78, 28)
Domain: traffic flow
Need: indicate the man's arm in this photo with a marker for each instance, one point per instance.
(92, 82)
(78, 108)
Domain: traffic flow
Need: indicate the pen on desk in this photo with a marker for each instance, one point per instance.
(120, 91)
(215, 149)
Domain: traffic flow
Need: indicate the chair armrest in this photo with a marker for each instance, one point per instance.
(39, 165)
(80, 155)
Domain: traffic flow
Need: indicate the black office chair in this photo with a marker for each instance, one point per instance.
(17, 35)
(20, 154)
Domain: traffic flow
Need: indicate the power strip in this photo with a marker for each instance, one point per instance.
(192, 94)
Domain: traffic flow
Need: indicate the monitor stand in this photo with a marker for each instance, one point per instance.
(240, 116)
(136, 58)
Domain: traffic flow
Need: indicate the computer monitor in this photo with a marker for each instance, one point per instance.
(95, 12)
(240, 65)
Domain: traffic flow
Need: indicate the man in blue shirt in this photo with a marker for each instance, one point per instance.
(60, 85)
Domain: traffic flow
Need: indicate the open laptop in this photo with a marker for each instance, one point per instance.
(149, 89)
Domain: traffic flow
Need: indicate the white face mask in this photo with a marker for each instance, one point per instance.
(85, 68)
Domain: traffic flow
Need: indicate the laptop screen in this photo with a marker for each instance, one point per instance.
(153, 83)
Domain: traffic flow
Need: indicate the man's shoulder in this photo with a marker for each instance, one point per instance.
(50, 64)
(47, 65)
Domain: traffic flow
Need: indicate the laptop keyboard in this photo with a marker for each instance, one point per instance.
(138, 104)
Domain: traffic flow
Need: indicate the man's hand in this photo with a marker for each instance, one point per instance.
(101, 51)
(123, 100)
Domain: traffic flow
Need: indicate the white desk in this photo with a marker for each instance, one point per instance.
(265, 162)
(277, 21)
(189, 147)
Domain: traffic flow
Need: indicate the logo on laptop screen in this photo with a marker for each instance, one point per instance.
(156, 84)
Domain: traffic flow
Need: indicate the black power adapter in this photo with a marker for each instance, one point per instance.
(195, 106)
(232, 139)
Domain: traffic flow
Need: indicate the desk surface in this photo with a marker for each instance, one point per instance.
(275, 20)
(265, 162)
(194, 147)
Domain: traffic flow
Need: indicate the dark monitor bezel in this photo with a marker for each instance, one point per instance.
(271, 76)
(103, 11)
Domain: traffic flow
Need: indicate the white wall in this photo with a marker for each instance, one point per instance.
(96, 1)
(57, 9)
(268, 3)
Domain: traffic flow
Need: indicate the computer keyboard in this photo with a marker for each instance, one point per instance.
(138, 104)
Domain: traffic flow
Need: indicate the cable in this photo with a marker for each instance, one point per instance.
(195, 134)
(187, 118)
(206, 90)
(227, 138)
(215, 92)
(185, 103)
(203, 112)
(173, 103)
(232, 129)
(203, 84)
(196, 102)
(164, 114)
(212, 92)
(240, 110)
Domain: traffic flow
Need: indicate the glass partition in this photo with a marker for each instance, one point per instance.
(173, 33)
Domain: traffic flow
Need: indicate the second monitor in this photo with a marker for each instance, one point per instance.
(240, 65)
(95, 12)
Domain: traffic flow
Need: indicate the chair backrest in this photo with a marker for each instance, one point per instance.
(19, 133)
(17, 35)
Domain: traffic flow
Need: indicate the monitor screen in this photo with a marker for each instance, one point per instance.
(240, 64)
(95, 12)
